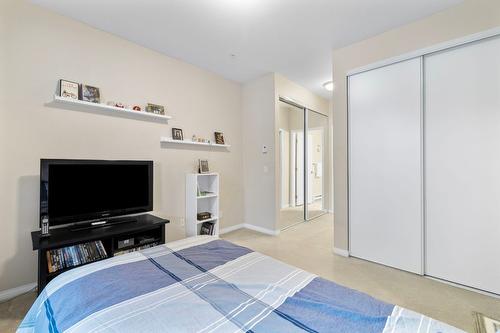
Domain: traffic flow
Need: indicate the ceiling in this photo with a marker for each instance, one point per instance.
(243, 39)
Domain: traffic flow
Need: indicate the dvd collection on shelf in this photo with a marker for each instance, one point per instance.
(75, 255)
(137, 248)
(207, 228)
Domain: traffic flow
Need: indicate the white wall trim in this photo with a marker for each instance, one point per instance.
(330, 211)
(231, 228)
(8, 294)
(458, 285)
(341, 252)
(428, 50)
(249, 227)
(261, 229)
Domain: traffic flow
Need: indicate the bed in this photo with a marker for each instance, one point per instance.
(205, 284)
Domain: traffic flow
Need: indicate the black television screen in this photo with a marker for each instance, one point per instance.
(82, 190)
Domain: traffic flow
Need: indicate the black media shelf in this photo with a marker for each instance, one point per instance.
(109, 235)
(138, 245)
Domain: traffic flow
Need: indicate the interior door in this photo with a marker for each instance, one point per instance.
(385, 184)
(462, 164)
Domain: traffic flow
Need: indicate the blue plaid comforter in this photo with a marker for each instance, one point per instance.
(204, 284)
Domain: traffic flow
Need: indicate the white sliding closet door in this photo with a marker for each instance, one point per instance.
(385, 186)
(462, 165)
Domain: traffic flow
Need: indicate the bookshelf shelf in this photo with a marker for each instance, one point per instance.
(206, 182)
(215, 218)
(207, 196)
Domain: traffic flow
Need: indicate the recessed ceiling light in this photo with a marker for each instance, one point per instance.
(328, 85)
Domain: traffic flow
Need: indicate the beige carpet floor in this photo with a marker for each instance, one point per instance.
(290, 216)
(309, 246)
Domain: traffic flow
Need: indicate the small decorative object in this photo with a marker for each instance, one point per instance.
(120, 105)
(136, 108)
(203, 166)
(90, 94)
(203, 216)
(68, 89)
(177, 134)
(219, 138)
(155, 108)
(193, 138)
(485, 324)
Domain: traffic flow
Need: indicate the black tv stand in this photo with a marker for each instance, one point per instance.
(147, 230)
(102, 223)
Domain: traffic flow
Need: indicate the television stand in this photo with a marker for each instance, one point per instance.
(102, 223)
(116, 238)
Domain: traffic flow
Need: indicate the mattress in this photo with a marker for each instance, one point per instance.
(205, 284)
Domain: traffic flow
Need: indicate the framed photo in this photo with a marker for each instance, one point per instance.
(68, 89)
(203, 166)
(219, 138)
(177, 134)
(155, 108)
(90, 94)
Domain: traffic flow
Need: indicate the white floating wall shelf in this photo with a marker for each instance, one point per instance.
(194, 143)
(77, 105)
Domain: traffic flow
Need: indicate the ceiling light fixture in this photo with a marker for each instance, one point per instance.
(329, 85)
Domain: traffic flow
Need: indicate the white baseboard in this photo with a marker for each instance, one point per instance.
(341, 252)
(261, 229)
(330, 211)
(249, 227)
(479, 291)
(5, 295)
(231, 228)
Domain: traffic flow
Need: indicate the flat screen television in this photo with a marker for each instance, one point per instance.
(74, 191)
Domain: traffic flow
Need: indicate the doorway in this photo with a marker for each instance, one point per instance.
(302, 142)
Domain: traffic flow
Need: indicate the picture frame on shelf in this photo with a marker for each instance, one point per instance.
(177, 134)
(69, 89)
(203, 166)
(90, 94)
(155, 108)
(219, 138)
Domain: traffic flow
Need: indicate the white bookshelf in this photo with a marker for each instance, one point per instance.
(78, 105)
(195, 203)
(192, 143)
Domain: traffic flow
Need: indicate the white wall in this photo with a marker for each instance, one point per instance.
(467, 18)
(42, 47)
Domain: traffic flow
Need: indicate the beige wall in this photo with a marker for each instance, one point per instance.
(258, 168)
(470, 17)
(42, 47)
